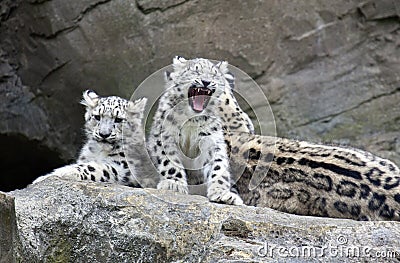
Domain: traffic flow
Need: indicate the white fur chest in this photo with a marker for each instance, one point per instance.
(189, 139)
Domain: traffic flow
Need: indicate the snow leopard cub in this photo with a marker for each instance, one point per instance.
(115, 143)
(186, 141)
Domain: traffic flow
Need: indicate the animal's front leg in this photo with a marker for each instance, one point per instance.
(218, 177)
(173, 175)
(91, 171)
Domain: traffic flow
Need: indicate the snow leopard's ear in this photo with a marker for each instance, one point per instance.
(223, 67)
(90, 98)
(137, 107)
(178, 62)
(230, 78)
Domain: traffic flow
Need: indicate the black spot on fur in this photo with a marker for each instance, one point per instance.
(387, 212)
(166, 162)
(114, 171)
(376, 201)
(91, 168)
(303, 196)
(227, 102)
(355, 210)
(125, 179)
(92, 178)
(124, 164)
(254, 155)
(320, 204)
(365, 190)
(171, 171)
(106, 174)
(280, 160)
(341, 207)
(216, 168)
(397, 198)
(348, 161)
(346, 188)
(159, 143)
(290, 160)
(122, 154)
(331, 167)
(220, 182)
(289, 177)
(178, 175)
(373, 175)
(389, 186)
(280, 193)
(322, 182)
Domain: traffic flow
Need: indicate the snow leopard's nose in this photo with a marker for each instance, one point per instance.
(205, 83)
(104, 135)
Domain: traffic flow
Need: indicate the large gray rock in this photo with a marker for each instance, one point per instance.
(330, 70)
(60, 221)
(8, 229)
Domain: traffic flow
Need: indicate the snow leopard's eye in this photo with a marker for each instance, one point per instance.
(97, 117)
(118, 120)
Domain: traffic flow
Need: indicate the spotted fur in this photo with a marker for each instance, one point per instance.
(187, 143)
(310, 179)
(115, 143)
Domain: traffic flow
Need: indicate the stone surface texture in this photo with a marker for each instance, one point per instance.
(60, 221)
(8, 229)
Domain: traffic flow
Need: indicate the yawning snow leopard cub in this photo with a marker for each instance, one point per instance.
(187, 137)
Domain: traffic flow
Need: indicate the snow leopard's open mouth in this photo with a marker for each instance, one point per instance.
(199, 97)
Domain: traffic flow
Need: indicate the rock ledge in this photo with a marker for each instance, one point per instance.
(61, 221)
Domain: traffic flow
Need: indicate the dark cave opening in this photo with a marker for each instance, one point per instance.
(24, 160)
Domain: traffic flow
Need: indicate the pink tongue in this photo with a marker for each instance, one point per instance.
(198, 102)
